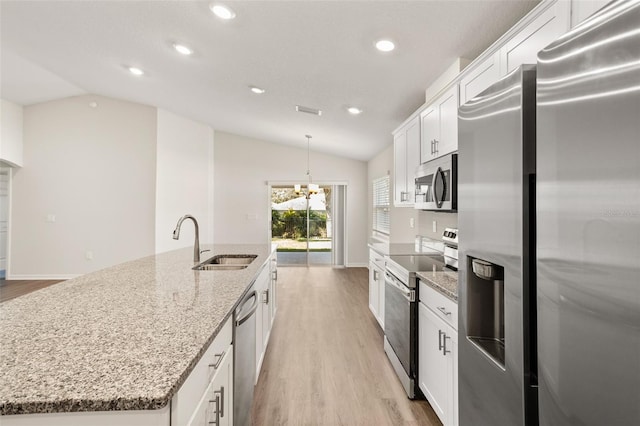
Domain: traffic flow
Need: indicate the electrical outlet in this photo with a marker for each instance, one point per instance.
(435, 226)
(51, 218)
(252, 216)
(412, 222)
(88, 255)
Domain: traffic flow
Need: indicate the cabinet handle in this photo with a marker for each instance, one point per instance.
(443, 310)
(444, 344)
(376, 275)
(221, 393)
(404, 196)
(440, 346)
(435, 146)
(265, 297)
(432, 146)
(217, 411)
(274, 275)
(218, 360)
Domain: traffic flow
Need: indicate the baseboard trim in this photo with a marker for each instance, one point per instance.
(19, 277)
(358, 265)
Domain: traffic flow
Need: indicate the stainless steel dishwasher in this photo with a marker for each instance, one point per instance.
(245, 358)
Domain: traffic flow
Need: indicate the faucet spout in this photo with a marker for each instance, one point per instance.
(196, 245)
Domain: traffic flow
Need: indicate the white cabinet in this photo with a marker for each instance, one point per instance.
(191, 405)
(439, 123)
(480, 77)
(216, 404)
(406, 157)
(582, 9)
(376, 286)
(523, 48)
(262, 316)
(438, 354)
(265, 287)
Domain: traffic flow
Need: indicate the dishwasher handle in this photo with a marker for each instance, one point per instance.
(253, 295)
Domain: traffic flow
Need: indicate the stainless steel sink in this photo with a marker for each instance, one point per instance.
(226, 262)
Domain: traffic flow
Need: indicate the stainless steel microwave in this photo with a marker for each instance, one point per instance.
(437, 184)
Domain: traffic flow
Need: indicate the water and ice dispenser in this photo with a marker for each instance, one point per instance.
(485, 307)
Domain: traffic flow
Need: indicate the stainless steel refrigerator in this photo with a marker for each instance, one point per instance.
(588, 221)
(496, 166)
(549, 205)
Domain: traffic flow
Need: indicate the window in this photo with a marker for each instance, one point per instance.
(381, 219)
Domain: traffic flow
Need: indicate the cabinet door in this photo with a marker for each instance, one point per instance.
(430, 128)
(399, 167)
(413, 158)
(483, 76)
(262, 284)
(582, 9)
(380, 283)
(374, 291)
(523, 48)
(432, 364)
(448, 106)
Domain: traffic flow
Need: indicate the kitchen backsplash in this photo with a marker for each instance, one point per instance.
(443, 220)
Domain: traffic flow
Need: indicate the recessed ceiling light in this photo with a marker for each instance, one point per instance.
(257, 90)
(136, 71)
(181, 48)
(222, 12)
(354, 110)
(385, 45)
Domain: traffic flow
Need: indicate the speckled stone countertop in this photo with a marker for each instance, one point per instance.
(123, 338)
(445, 282)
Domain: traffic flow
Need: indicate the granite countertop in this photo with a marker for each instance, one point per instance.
(123, 338)
(445, 282)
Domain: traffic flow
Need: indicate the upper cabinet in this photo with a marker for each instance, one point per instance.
(582, 9)
(440, 126)
(406, 158)
(11, 119)
(524, 46)
(480, 77)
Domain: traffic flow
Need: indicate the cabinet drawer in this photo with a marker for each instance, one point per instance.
(377, 259)
(444, 308)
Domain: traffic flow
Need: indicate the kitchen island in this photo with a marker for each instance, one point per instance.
(123, 338)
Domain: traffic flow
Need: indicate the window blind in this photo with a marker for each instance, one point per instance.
(381, 217)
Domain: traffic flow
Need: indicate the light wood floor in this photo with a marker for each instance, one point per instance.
(10, 289)
(325, 364)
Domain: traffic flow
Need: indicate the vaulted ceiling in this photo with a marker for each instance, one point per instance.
(318, 54)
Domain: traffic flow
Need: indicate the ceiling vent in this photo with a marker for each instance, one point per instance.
(308, 110)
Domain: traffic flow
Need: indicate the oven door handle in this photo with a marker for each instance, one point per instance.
(389, 279)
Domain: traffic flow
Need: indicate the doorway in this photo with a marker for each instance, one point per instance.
(301, 225)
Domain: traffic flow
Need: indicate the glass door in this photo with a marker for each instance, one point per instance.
(301, 225)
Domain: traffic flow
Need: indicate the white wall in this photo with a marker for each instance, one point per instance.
(244, 165)
(401, 231)
(184, 182)
(94, 169)
(11, 135)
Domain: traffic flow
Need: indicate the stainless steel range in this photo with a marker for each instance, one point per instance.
(401, 311)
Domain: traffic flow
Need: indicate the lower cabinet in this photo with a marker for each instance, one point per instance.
(438, 362)
(376, 286)
(206, 397)
(215, 408)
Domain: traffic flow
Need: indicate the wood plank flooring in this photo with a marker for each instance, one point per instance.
(10, 289)
(325, 363)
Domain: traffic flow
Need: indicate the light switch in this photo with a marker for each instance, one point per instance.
(435, 226)
(412, 222)
(51, 218)
(88, 255)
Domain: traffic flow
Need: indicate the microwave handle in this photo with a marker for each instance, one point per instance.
(434, 196)
(439, 175)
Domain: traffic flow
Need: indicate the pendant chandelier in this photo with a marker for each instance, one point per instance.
(312, 188)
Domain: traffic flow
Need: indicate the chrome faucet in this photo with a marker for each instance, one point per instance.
(196, 244)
